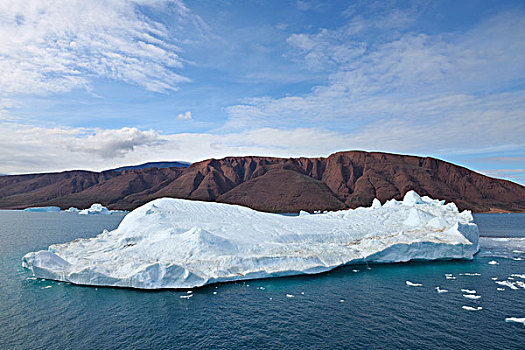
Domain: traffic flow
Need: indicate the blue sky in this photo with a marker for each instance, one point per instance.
(100, 84)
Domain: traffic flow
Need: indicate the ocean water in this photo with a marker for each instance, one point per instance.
(350, 307)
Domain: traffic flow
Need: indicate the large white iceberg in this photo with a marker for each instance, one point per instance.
(177, 243)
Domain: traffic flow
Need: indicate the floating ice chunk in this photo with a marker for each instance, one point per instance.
(493, 262)
(46, 287)
(519, 276)
(177, 243)
(470, 308)
(43, 209)
(304, 213)
(412, 198)
(376, 204)
(500, 289)
(411, 284)
(341, 300)
(95, 209)
(302, 293)
(470, 274)
(290, 296)
(186, 296)
(515, 319)
(521, 284)
(517, 259)
(449, 276)
(355, 270)
(472, 296)
(494, 278)
(439, 290)
(509, 284)
(214, 292)
(469, 291)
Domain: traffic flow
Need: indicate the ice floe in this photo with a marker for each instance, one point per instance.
(439, 290)
(177, 243)
(412, 284)
(43, 209)
(493, 262)
(515, 319)
(509, 284)
(472, 296)
(470, 308)
(469, 291)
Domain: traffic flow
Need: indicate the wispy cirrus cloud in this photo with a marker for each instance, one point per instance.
(452, 92)
(57, 46)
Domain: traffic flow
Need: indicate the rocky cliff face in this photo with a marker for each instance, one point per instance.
(343, 180)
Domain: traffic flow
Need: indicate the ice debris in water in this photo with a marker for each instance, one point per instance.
(472, 296)
(470, 308)
(469, 291)
(519, 276)
(177, 243)
(439, 290)
(515, 319)
(493, 262)
(449, 276)
(412, 284)
(509, 284)
(290, 296)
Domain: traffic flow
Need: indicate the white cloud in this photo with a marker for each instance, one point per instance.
(56, 46)
(185, 116)
(417, 93)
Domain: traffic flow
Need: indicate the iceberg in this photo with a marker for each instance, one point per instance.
(95, 209)
(177, 243)
(43, 209)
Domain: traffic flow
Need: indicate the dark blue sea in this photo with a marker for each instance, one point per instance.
(353, 307)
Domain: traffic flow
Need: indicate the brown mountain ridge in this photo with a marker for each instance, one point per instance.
(342, 180)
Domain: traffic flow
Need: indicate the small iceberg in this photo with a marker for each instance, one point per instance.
(472, 296)
(43, 209)
(493, 262)
(178, 243)
(439, 290)
(515, 319)
(72, 210)
(469, 291)
(95, 209)
(412, 284)
(470, 308)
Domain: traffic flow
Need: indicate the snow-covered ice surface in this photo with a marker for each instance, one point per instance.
(176, 243)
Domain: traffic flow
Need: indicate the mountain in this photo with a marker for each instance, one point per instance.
(159, 165)
(342, 180)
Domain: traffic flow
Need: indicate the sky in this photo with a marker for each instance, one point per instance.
(100, 84)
